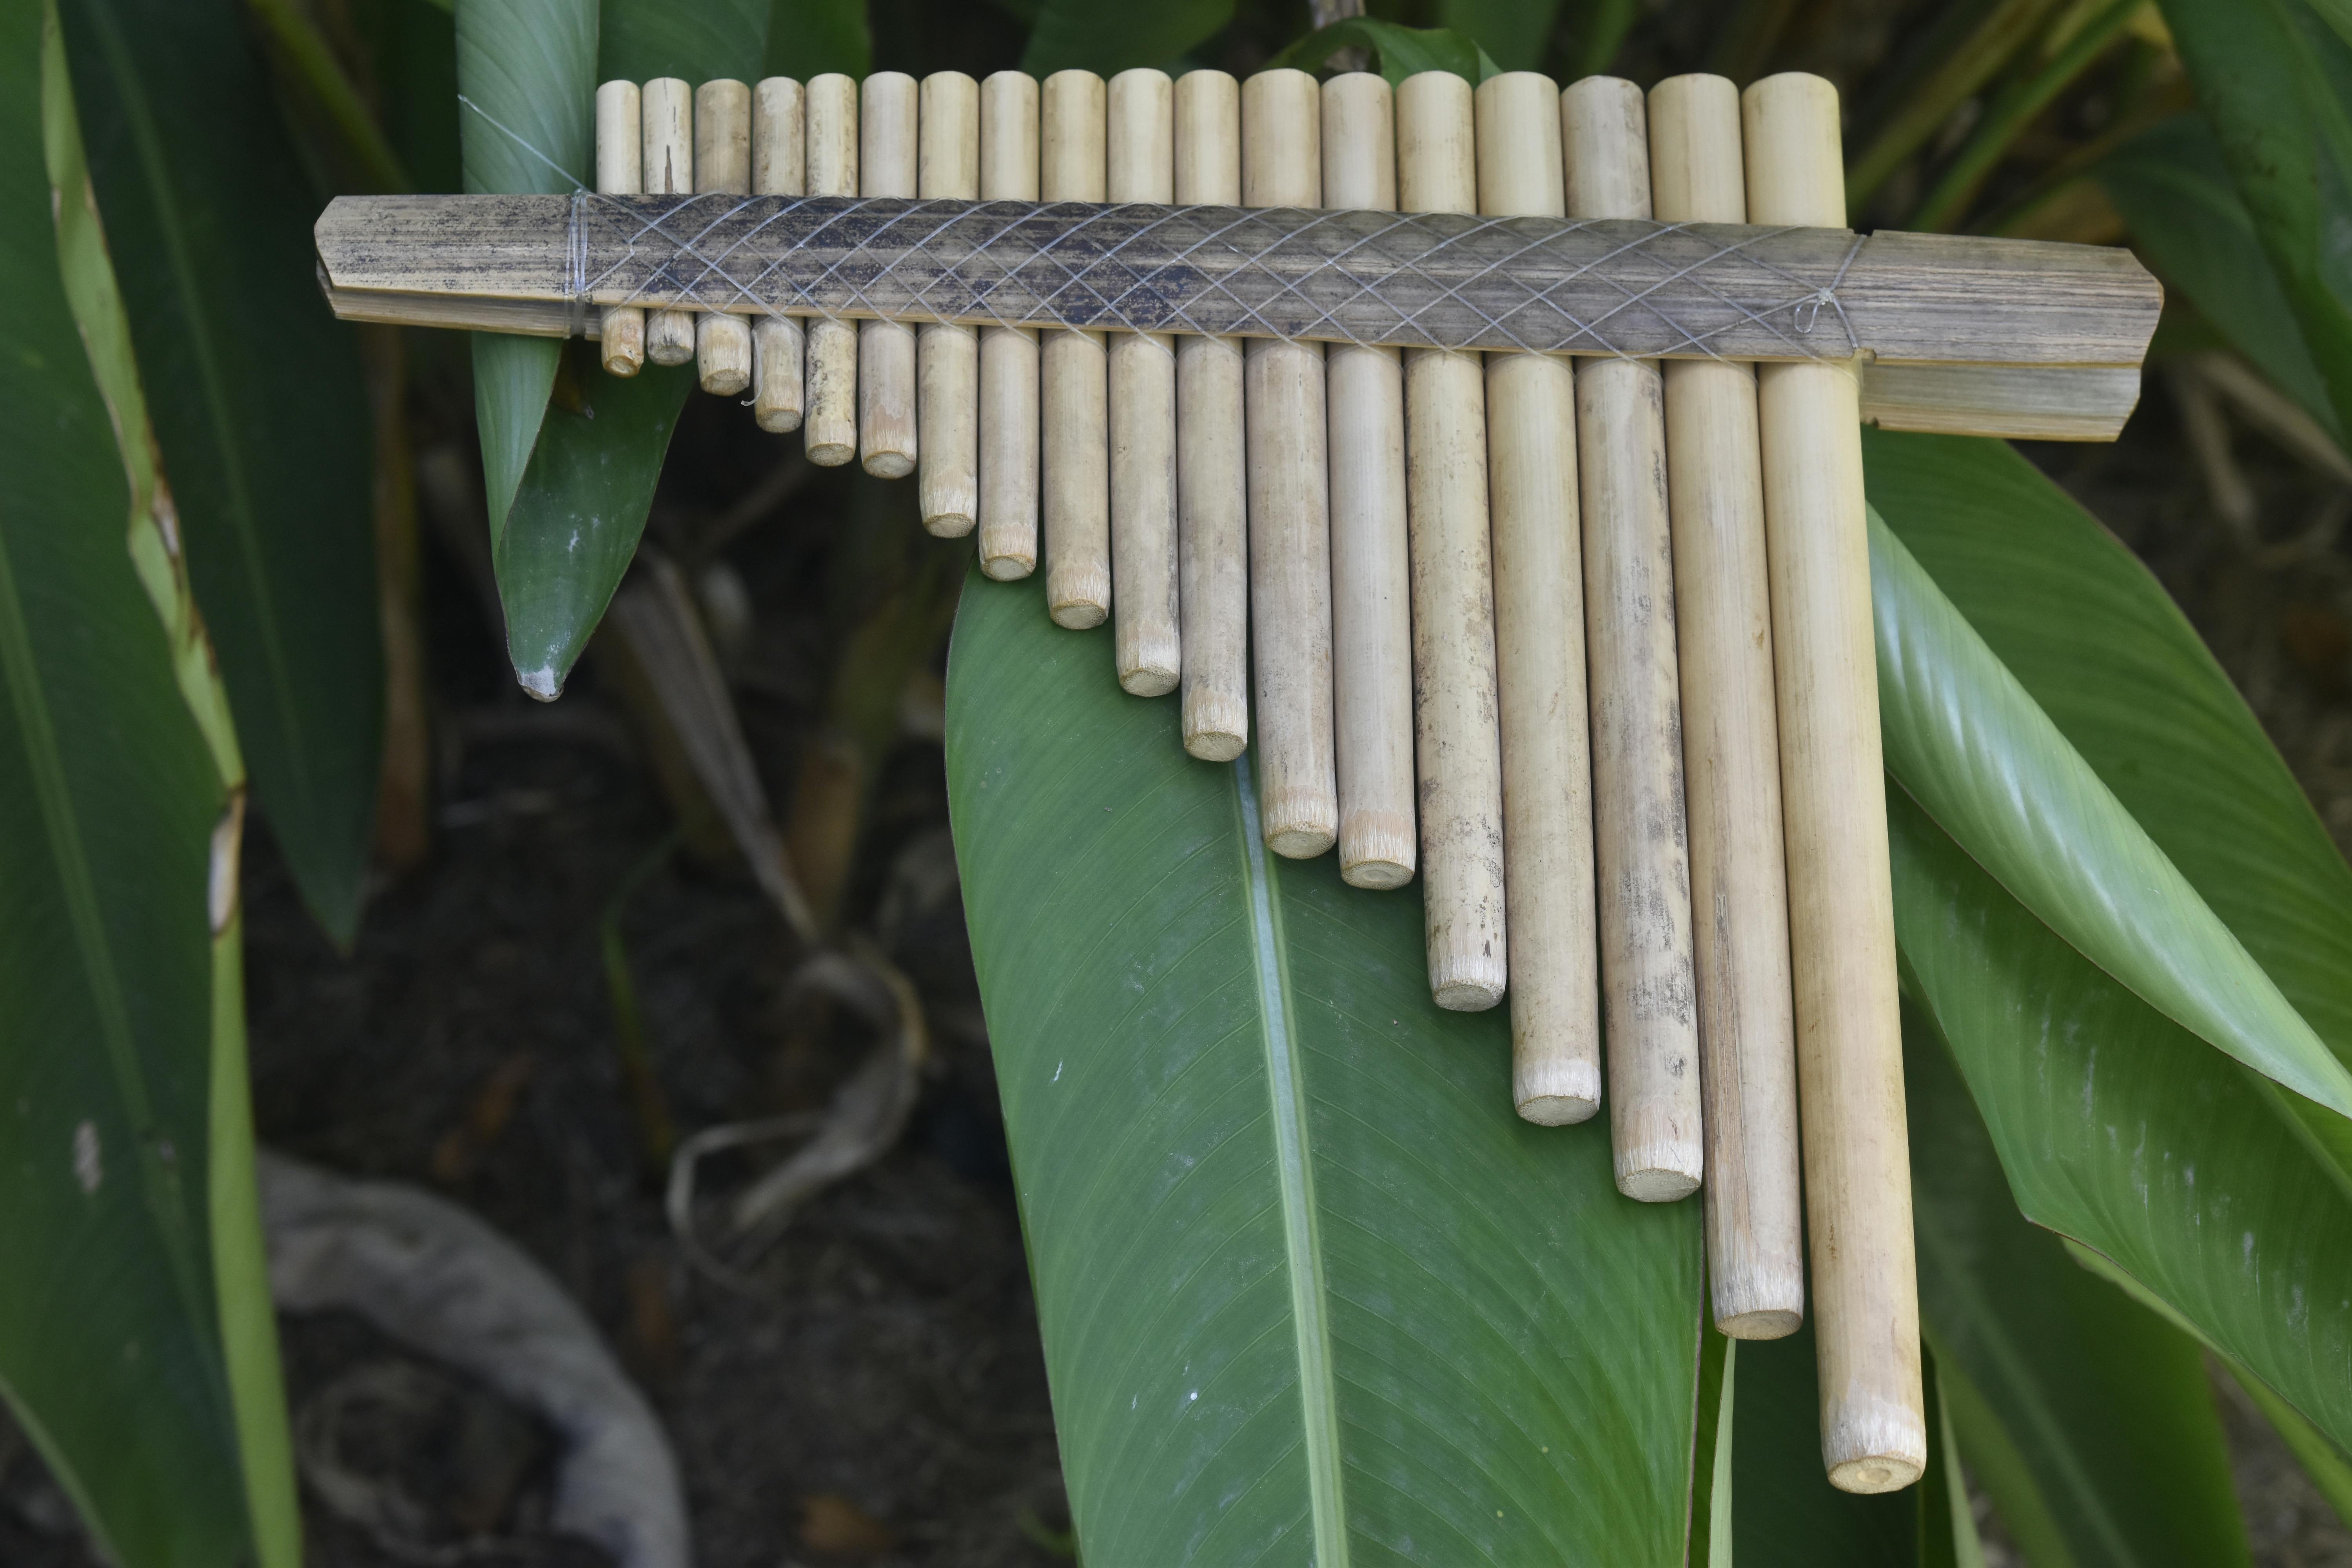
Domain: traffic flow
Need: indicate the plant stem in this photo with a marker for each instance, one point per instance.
(303, 50)
(1967, 69)
(2015, 110)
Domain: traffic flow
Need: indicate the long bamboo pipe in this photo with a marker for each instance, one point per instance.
(888, 160)
(778, 168)
(1074, 406)
(722, 163)
(1008, 356)
(947, 356)
(667, 107)
(620, 171)
(829, 424)
(1142, 168)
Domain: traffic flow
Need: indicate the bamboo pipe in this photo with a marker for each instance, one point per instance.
(1731, 763)
(1643, 873)
(668, 105)
(1833, 806)
(1075, 392)
(722, 162)
(1539, 650)
(1211, 491)
(621, 172)
(1008, 356)
(1289, 500)
(888, 165)
(1142, 168)
(1456, 742)
(1371, 582)
(829, 427)
(947, 357)
(780, 168)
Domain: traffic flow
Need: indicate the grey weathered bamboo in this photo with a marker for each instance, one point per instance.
(1371, 580)
(779, 167)
(620, 171)
(1212, 493)
(1457, 744)
(829, 422)
(1638, 845)
(1008, 356)
(1141, 167)
(1289, 502)
(888, 162)
(1833, 806)
(1731, 764)
(947, 356)
(722, 167)
(1539, 650)
(1074, 401)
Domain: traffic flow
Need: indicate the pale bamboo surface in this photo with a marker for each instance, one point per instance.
(620, 171)
(1457, 743)
(1731, 763)
(1371, 581)
(1141, 167)
(1834, 805)
(947, 356)
(829, 426)
(1008, 356)
(888, 161)
(1639, 852)
(1074, 396)
(1289, 501)
(779, 167)
(1539, 650)
(1212, 489)
(722, 162)
(667, 105)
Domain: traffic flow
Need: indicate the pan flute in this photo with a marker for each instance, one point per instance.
(1485, 459)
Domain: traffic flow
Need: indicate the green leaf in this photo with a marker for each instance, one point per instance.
(1085, 35)
(2094, 1412)
(135, 1337)
(1711, 1526)
(1979, 754)
(810, 38)
(1516, 32)
(1400, 51)
(2173, 187)
(1309, 1291)
(698, 41)
(261, 414)
(2276, 82)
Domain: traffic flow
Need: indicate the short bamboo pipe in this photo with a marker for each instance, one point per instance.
(1731, 763)
(1212, 490)
(1141, 167)
(888, 165)
(1008, 356)
(1539, 650)
(829, 426)
(1289, 501)
(1457, 746)
(1371, 581)
(1834, 807)
(668, 106)
(778, 168)
(722, 163)
(947, 357)
(1075, 403)
(1643, 873)
(620, 171)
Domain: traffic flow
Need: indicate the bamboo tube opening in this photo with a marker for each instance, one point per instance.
(668, 106)
(829, 424)
(620, 171)
(1212, 493)
(947, 357)
(1074, 390)
(722, 162)
(1289, 503)
(1141, 167)
(1834, 808)
(1371, 585)
(779, 167)
(888, 165)
(1009, 371)
(1731, 763)
(1457, 743)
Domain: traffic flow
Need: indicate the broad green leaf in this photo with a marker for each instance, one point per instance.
(1710, 1538)
(2121, 1130)
(698, 41)
(1085, 35)
(2186, 222)
(263, 419)
(135, 1336)
(2329, 1469)
(2275, 80)
(1979, 753)
(2094, 1412)
(1309, 1291)
(1515, 33)
(810, 38)
(1400, 51)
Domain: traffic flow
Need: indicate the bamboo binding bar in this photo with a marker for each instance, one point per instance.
(1586, 647)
